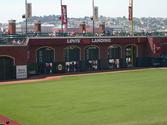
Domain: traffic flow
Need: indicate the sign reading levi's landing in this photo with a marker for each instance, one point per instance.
(87, 41)
(75, 41)
(101, 40)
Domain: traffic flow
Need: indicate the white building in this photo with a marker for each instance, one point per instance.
(45, 28)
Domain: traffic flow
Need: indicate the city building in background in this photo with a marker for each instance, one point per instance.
(45, 28)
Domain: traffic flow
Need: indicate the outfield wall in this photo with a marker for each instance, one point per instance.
(77, 54)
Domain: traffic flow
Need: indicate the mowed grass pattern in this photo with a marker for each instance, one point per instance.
(127, 98)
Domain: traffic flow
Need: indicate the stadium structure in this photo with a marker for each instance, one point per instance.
(22, 56)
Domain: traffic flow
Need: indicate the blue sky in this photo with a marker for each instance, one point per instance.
(13, 9)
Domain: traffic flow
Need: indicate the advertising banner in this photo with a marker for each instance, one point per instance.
(130, 13)
(28, 10)
(96, 13)
(21, 72)
(64, 14)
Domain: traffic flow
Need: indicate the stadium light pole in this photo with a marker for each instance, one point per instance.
(93, 6)
(131, 19)
(26, 14)
(61, 3)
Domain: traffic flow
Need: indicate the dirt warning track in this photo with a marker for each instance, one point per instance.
(37, 79)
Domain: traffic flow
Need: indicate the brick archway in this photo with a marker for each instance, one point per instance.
(7, 68)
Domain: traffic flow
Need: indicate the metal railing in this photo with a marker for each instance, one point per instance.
(20, 39)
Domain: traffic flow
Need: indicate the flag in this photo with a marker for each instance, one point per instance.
(130, 13)
(96, 13)
(64, 14)
(28, 10)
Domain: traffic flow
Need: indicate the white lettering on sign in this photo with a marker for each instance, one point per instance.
(77, 41)
(21, 72)
(101, 40)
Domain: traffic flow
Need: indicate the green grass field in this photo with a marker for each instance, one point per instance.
(127, 98)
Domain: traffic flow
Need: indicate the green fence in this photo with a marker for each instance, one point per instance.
(7, 73)
(84, 66)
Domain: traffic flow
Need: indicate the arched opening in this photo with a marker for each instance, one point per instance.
(92, 57)
(45, 60)
(7, 68)
(72, 58)
(130, 56)
(114, 56)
